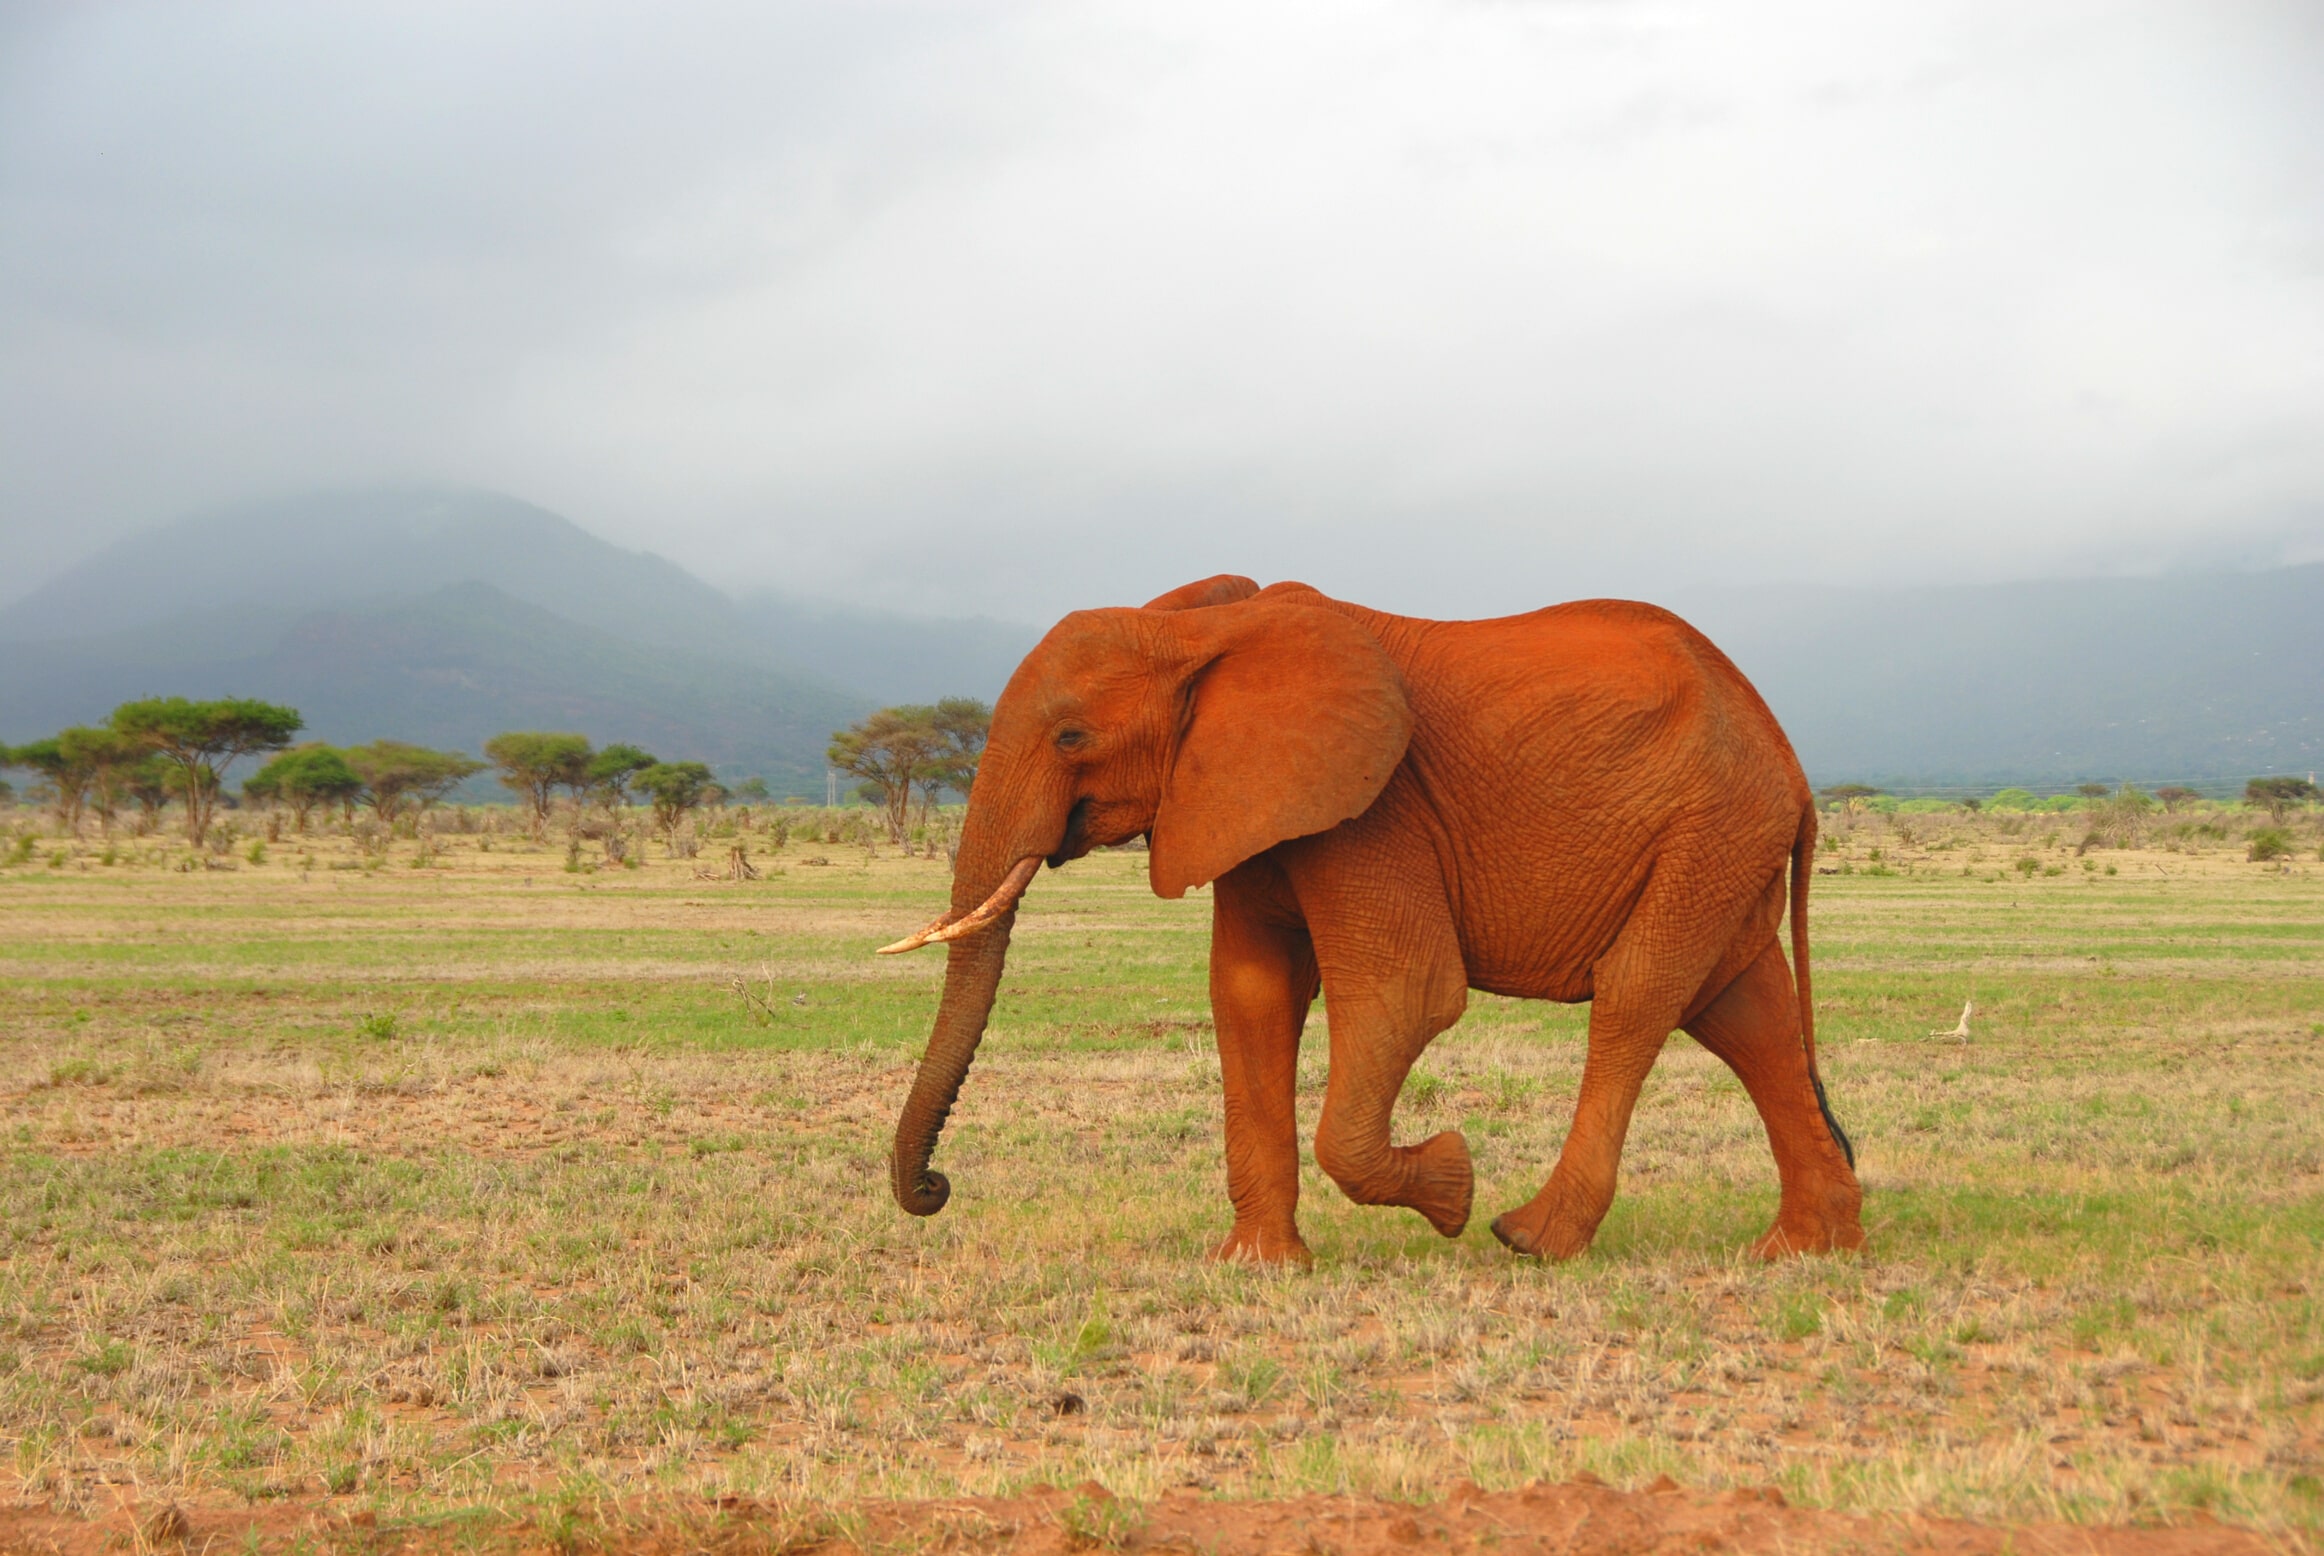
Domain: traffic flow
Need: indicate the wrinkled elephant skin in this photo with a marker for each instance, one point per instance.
(1587, 802)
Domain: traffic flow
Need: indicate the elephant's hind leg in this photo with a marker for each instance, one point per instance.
(1754, 1026)
(1626, 1036)
(1639, 990)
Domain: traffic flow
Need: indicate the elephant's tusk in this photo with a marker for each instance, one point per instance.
(1004, 898)
(914, 942)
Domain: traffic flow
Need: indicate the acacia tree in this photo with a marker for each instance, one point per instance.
(892, 751)
(87, 769)
(534, 764)
(304, 778)
(965, 723)
(2175, 797)
(2278, 795)
(396, 774)
(611, 771)
(68, 781)
(116, 766)
(200, 740)
(675, 789)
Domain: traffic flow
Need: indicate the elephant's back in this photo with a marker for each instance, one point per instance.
(1594, 682)
(1570, 752)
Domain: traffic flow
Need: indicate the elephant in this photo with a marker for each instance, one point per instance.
(1587, 802)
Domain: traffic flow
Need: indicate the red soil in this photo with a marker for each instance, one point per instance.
(1568, 1520)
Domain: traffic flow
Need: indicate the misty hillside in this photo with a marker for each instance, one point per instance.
(444, 616)
(451, 668)
(2199, 676)
(893, 658)
(315, 552)
(248, 570)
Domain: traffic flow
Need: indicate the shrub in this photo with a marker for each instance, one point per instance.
(2269, 843)
(1842, 793)
(2277, 796)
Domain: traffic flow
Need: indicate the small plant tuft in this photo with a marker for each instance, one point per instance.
(1096, 1517)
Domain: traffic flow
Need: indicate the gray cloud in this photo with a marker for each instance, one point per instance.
(1457, 308)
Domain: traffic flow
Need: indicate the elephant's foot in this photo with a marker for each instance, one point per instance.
(1441, 1185)
(1831, 1225)
(1520, 1236)
(1258, 1245)
(1551, 1226)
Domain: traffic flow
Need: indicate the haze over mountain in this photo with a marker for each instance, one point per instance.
(2207, 677)
(443, 615)
(266, 562)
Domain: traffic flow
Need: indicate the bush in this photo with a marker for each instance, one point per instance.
(2269, 843)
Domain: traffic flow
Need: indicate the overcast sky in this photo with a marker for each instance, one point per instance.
(1454, 308)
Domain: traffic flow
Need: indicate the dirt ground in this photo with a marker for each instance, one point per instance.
(1578, 1517)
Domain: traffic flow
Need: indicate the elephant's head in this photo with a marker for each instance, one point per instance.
(1217, 721)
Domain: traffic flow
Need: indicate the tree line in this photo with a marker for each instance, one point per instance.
(2279, 795)
(152, 752)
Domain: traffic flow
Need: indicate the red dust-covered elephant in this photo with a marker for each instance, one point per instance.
(1585, 803)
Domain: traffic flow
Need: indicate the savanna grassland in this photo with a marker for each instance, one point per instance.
(411, 1191)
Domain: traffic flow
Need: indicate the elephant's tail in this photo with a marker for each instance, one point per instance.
(1803, 860)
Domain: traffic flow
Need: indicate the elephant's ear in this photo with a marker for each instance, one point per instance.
(1218, 589)
(1293, 717)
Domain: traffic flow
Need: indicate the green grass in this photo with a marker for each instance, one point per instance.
(480, 1184)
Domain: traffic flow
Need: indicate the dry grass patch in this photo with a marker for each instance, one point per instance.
(430, 1191)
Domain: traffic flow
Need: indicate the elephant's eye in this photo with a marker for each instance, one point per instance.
(1070, 739)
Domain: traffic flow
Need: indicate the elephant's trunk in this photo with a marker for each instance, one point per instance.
(971, 978)
(993, 873)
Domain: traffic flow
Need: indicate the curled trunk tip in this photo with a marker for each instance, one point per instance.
(925, 1195)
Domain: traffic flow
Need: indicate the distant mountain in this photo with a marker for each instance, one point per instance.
(2214, 676)
(443, 616)
(331, 549)
(250, 569)
(450, 668)
(894, 658)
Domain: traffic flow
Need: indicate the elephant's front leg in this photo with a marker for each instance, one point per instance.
(1262, 979)
(1393, 973)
